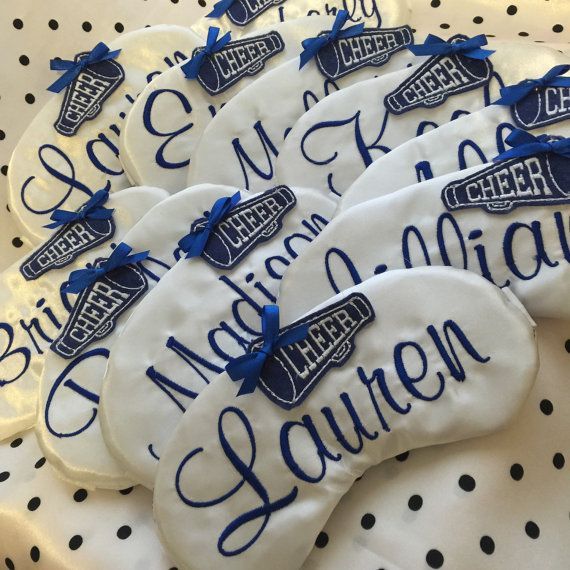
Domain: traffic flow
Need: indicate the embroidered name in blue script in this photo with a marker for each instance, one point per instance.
(237, 60)
(540, 180)
(371, 48)
(98, 308)
(312, 444)
(242, 12)
(438, 79)
(85, 96)
(248, 225)
(66, 245)
(294, 371)
(542, 107)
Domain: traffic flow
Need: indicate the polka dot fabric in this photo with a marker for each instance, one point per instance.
(496, 502)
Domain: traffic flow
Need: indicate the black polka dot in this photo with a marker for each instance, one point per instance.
(558, 28)
(17, 442)
(512, 10)
(558, 461)
(75, 542)
(202, 3)
(34, 503)
(80, 495)
(517, 471)
(4, 475)
(53, 24)
(35, 554)
(24, 60)
(546, 407)
(126, 491)
(532, 530)
(30, 99)
(415, 503)
(322, 540)
(174, 1)
(124, 532)
(17, 242)
(566, 344)
(467, 483)
(435, 3)
(18, 24)
(119, 27)
(434, 559)
(487, 545)
(4, 170)
(523, 34)
(2, 135)
(87, 27)
(403, 456)
(444, 27)
(9, 563)
(40, 463)
(477, 20)
(367, 521)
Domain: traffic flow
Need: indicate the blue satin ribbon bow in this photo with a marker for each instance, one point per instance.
(515, 93)
(249, 366)
(435, 45)
(91, 210)
(83, 278)
(195, 242)
(192, 67)
(525, 144)
(72, 69)
(314, 45)
(220, 8)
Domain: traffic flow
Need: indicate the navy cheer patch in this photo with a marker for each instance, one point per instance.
(66, 245)
(292, 372)
(542, 107)
(541, 180)
(248, 225)
(371, 48)
(242, 12)
(98, 308)
(86, 94)
(237, 60)
(437, 79)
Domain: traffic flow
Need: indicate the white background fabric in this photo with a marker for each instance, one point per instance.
(46, 523)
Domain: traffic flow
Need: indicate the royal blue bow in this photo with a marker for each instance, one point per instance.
(91, 210)
(83, 278)
(220, 8)
(192, 67)
(314, 45)
(435, 45)
(514, 93)
(249, 366)
(525, 144)
(195, 242)
(73, 68)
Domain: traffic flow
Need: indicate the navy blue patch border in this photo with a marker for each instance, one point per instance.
(361, 305)
(533, 101)
(330, 53)
(550, 165)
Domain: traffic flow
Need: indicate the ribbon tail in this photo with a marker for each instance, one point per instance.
(247, 368)
(220, 8)
(61, 83)
(197, 243)
(192, 67)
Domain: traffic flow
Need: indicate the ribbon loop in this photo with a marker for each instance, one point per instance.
(91, 210)
(220, 8)
(526, 144)
(514, 93)
(99, 53)
(249, 366)
(192, 67)
(312, 46)
(83, 278)
(435, 45)
(195, 242)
